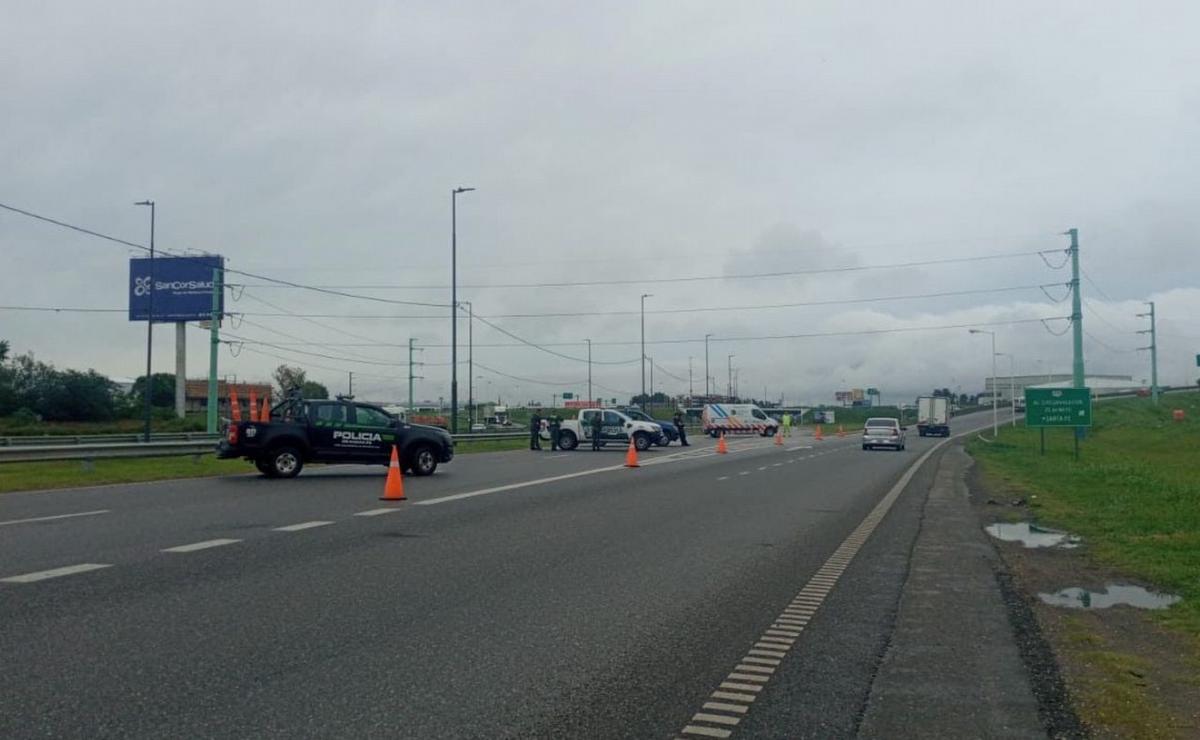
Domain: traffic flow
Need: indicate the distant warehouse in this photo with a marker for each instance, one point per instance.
(1098, 383)
(196, 395)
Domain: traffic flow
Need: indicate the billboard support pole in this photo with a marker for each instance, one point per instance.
(214, 334)
(180, 368)
(148, 387)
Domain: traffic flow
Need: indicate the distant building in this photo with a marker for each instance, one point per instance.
(196, 395)
(1003, 385)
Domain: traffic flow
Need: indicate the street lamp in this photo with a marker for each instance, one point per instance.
(706, 374)
(730, 360)
(149, 387)
(470, 362)
(589, 344)
(454, 306)
(644, 297)
(995, 422)
(1012, 384)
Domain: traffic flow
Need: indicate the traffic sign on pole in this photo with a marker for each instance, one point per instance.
(1058, 407)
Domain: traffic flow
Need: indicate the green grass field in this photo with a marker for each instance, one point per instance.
(1134, 495)
(15, 427)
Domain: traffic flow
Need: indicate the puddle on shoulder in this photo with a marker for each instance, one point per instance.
(1031, 535)
(1112, 595)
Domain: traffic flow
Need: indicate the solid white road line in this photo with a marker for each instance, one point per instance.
(52, 518)
(375, 512)
(200, 545)
(43, 575)
(301, 526)
(515, 486)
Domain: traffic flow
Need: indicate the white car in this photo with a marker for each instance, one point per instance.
(882, 431)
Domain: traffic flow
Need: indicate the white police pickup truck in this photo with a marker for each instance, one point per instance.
(615, 427)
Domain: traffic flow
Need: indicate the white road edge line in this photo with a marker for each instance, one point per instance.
(375, 512)
(301, 526)
(42, 575)
(200, 545)
(55, 517)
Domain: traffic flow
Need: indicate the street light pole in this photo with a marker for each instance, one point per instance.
(1012, 384)
(706, 373)
(730, 360)
(995, 408)
(148, 389)
(589, 344)
(454, 306)
(644, 297)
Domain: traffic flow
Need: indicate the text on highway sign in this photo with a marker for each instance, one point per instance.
(1058, 407)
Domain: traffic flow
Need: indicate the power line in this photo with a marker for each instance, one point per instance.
(527, 380)
(1091, 282)
(543, 348)
(1104, 344)
(256, 276)
(283, 312)
(704, 278)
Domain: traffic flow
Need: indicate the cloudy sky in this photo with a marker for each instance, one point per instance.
(634, 146)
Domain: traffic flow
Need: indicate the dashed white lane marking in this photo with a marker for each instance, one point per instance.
(723, 477)
(200, 545)
(53, 518)
(42, 575)
(301, 526)
(375, 512)
(752, 673)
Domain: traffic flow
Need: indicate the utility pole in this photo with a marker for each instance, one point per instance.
(730, 360)
(691, 389)
(650, 400)
(454, 307)
(411, 349)
(1153, 332)
(1076, 311)
(148, 388)
(350, 391)
(470, 362)
(707, 374)
(644, 297)
(589, 344)
(214, 343)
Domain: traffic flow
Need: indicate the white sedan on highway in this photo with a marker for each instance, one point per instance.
(883, 432)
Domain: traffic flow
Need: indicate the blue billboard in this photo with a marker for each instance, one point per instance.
(181, 288)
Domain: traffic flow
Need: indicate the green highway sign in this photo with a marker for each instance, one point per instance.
(1058, 407)
(568, 396)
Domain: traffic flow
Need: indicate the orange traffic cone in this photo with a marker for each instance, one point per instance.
(631, 460)
(817, 435)
(778, 438)
(265, 414)
(722, 448)
(253, 405)
(235, 408)
(841, 431)
(393, 490)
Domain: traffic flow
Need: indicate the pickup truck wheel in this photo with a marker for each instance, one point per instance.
(285, 462)
(567, 440)
(264, 466)
(663, 440)
(424, 461)
(641, 441)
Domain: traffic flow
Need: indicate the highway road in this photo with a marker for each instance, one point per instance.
(513, 595)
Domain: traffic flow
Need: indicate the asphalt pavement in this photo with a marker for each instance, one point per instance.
(514, 594)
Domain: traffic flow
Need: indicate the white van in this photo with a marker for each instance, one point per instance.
(737, 418)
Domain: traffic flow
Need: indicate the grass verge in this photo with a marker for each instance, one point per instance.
(1134, 495)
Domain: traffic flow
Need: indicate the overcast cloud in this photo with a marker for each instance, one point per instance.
(613, 141)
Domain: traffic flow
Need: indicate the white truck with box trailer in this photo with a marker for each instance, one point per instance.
(933, 416)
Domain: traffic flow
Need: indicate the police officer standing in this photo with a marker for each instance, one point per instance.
(535, 431)
(678, 421)
(555, 426)
(597, 428)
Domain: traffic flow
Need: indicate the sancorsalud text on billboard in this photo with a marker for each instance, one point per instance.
(180, 288)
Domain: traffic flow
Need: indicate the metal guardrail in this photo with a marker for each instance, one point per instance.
(110, 446)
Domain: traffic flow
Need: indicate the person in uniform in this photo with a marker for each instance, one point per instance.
(535, 431)
(597, 429)
(678, 421)
(555, 426)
